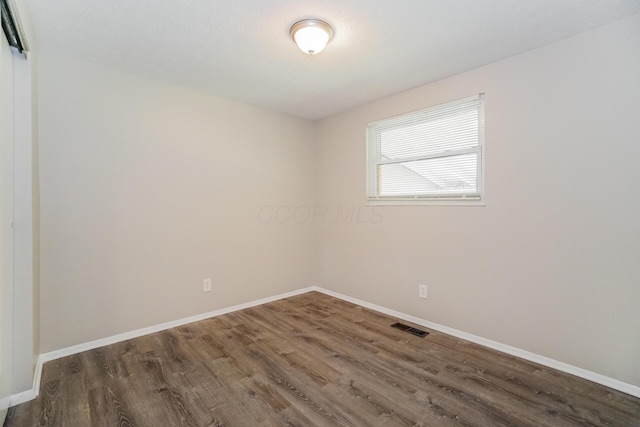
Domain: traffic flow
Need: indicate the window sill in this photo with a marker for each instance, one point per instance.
(425, 202)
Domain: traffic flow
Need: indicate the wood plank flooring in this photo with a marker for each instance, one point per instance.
(311, 360)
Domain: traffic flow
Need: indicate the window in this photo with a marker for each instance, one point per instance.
(431, 156)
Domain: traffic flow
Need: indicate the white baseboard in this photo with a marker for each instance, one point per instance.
(32, 393)
(514, 351)
(22, 397)
(27, 395)
(5, 402)
(68, 351)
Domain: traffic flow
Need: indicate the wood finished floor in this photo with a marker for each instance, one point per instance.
(311, 360)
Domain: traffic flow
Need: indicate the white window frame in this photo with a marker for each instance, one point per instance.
(374, 161)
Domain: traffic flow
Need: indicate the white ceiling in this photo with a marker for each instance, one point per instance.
(241, 49)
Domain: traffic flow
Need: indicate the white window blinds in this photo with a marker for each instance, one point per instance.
(434, 153)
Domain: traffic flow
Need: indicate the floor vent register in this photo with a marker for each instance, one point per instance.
(407, 328)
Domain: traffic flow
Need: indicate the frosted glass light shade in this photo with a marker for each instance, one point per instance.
(311, 35)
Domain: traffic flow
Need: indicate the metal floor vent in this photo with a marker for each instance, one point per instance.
(407, 328)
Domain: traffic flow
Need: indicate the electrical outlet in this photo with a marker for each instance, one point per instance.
(422, 291)
(206, 285)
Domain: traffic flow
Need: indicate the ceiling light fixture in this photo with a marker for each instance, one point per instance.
(311, 35)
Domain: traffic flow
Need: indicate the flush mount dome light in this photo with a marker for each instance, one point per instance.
(311, 35)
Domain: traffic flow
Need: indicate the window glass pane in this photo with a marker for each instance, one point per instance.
(452, 132)
(454, 175)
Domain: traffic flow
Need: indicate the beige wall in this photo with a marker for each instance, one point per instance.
(20, 203)
(147, 189)
(550, 265)
(6, 218)
(26, 311)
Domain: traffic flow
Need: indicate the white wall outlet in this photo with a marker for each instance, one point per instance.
(206, 285)
(422, 291)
